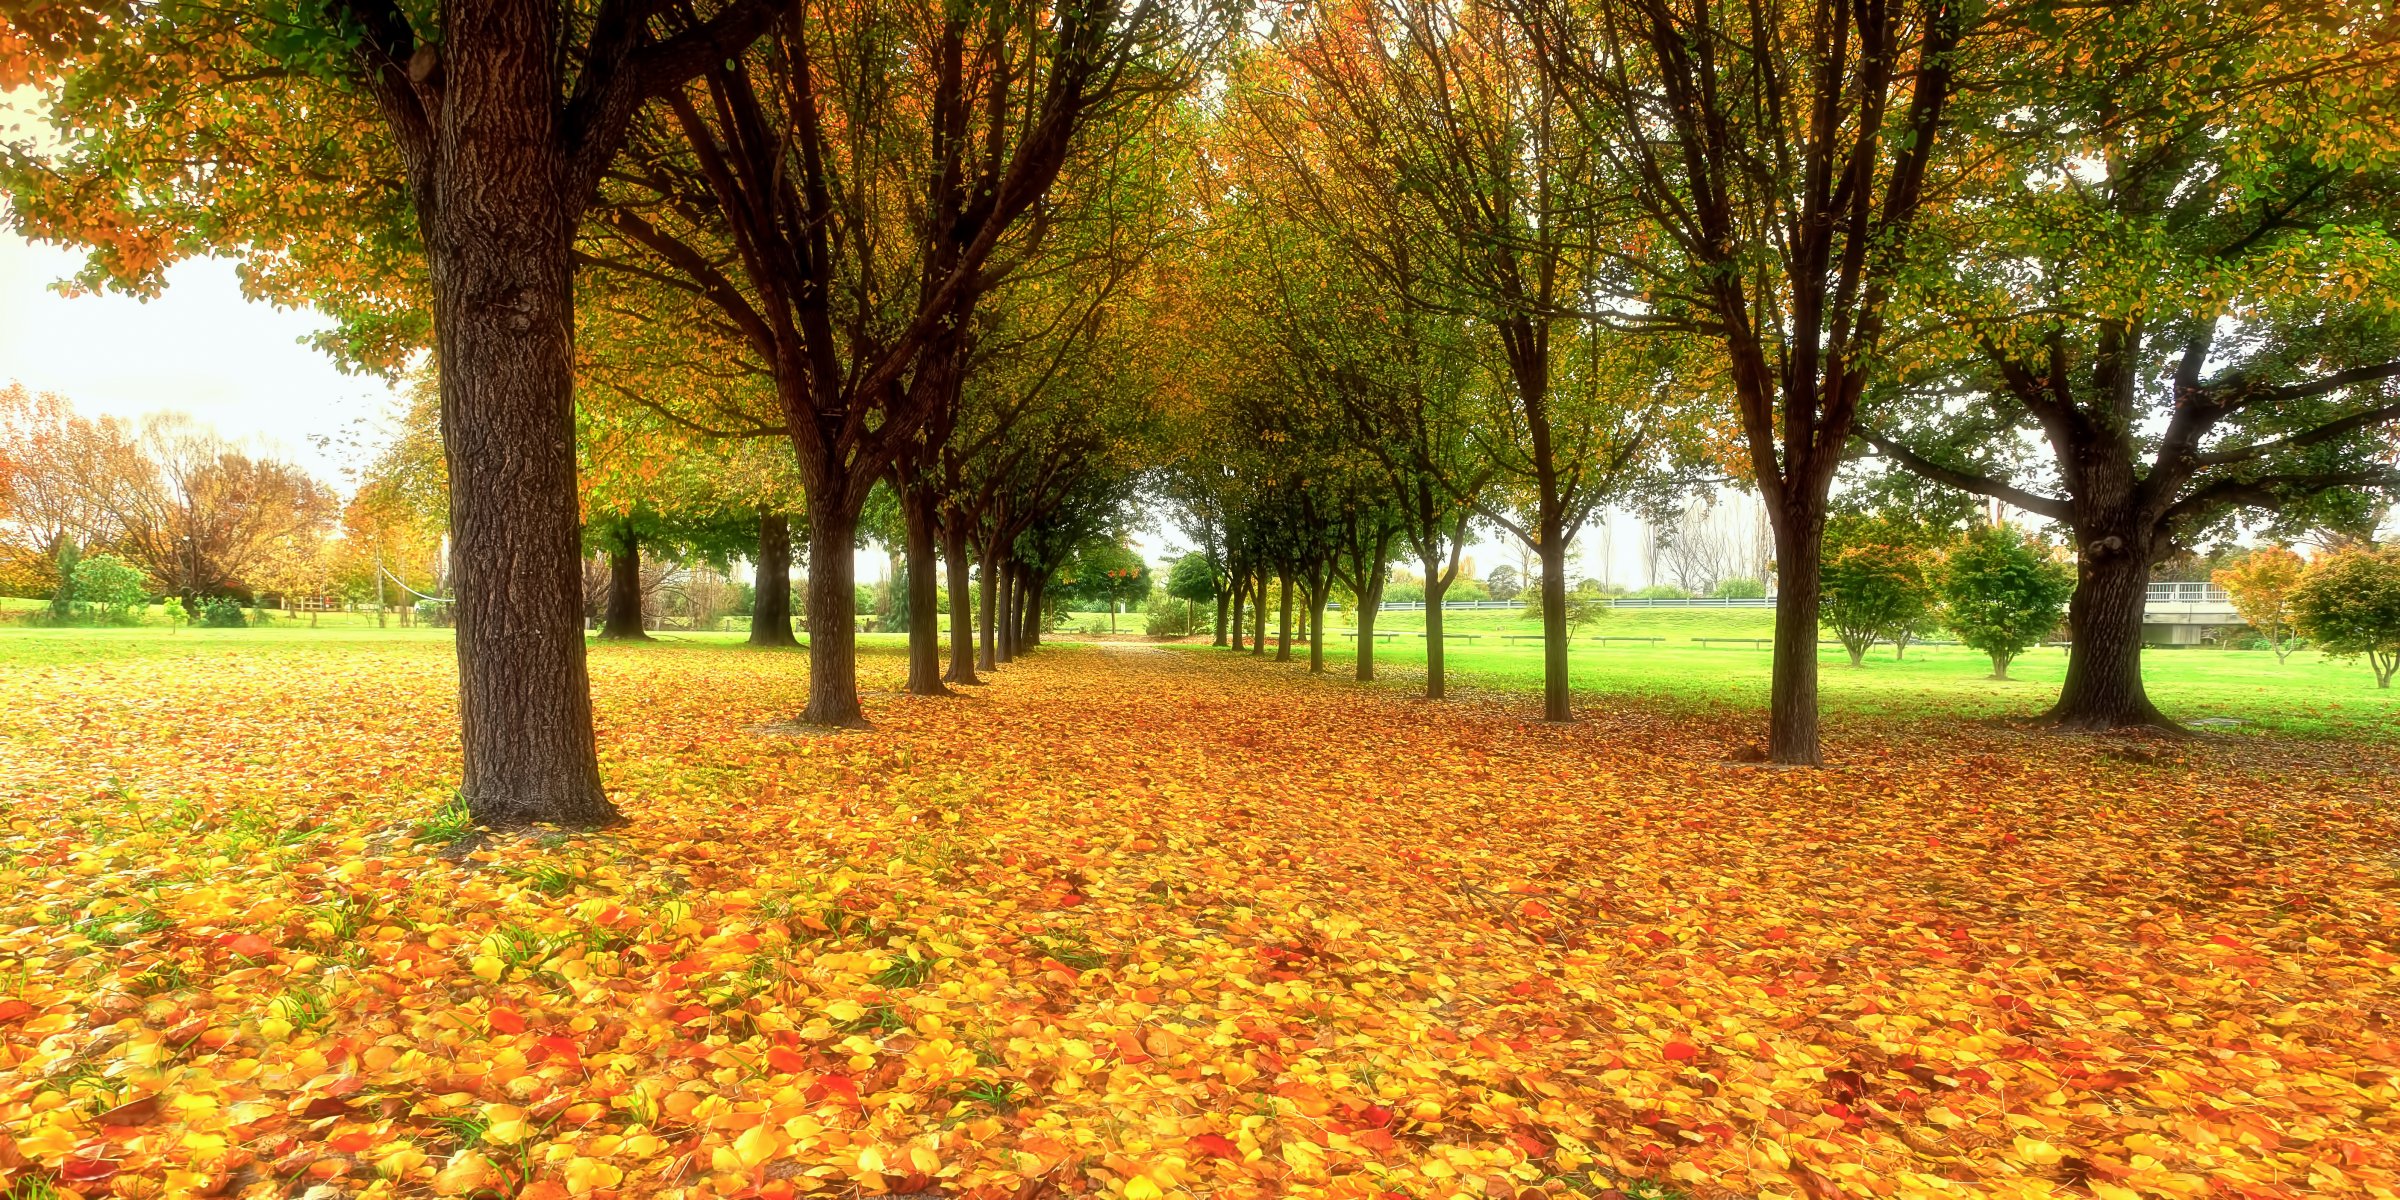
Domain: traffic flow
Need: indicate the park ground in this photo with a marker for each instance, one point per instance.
(1140, 921)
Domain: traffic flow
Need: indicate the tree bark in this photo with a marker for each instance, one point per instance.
(1316, 626)
(1241, 592)
(2104, 660)
(962, 604)
(1554, 627)
(832, 615)
(623, 622)
(1029, 617)
(771, 583)
(917, 518)
(1258, 604)
(1792, 695)
(991, 608)
(1224, 601)
(1283, 628)
(1006, 643)
(1436, 587)
(1370, 600)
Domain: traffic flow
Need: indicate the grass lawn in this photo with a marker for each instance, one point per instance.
(1136, 922)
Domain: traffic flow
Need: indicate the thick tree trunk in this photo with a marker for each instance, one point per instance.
(1554, 628)
(1792, 694)
(962, 606)
(917, 519)
(1224, 601)
(987, 628)
(503, 315)
(623, 619)
(832, 615)
(2104, 621)
(1370, 598)
(1030, 617)
(1316, 627)
(1258, 604)
(1435, 588)
(1283, 628)
(1241, 592)
(771, 584)
(1005, 647)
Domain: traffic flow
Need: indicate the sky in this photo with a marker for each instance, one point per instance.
(199, 349)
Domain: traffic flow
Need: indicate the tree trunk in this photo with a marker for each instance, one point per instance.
(1370, 599)
(1436, 587)
(771, 583)
(2104, 621)
(988, 621)
(1283, 629)
(1554, 627)
(1224, 603)
(1258, 604)
(1792, 695)
(917, 518)
(1006, 646)
(1241, 592)
(832, 615)
(498, 226)
(2000, 666)
(1030, 619)
(623, 622)
(962, 605)
(1316, 626)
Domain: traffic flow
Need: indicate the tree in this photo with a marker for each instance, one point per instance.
(1876, 587)
(2002, 592)
(1106, 571)
(200, 515)
(109, 589)
(1779, 150)
(2349, 605)
(2261, 584)
(1193, 580)
(428, 167)
(1502, 583)
(2175, 269)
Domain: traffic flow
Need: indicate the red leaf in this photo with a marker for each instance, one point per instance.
(250, 945)
(506, 1020)
(786, 1060)
(1679, 1051)
(1209, 1143)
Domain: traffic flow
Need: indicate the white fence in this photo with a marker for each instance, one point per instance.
(1611, 601)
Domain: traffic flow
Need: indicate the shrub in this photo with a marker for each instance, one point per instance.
(2003, 592)
(110, 589)
(1874, 591)
(1740, 589)
(2349, 605)
(1503, 583)
(1662, 591)
(222, 612)
(1167, 617)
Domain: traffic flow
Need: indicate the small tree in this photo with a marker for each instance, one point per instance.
(1503, 583)
(62, 601)
(1192, 581)
(2261, 584)
(1875, 589)
(2003, 592)
(175, 613)
(109, 589)
(2349, 605)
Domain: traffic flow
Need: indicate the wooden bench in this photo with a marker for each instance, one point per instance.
(1450, 635)
(1381, 636)
(1628, 638)
(1753, 643)
(1514, 638)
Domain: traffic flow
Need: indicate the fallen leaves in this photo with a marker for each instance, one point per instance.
(1154, 924)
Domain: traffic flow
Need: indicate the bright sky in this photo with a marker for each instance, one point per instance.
(198, 349)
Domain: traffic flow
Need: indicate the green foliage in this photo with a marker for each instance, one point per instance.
(894, 606)
(175, 613)
(1742, 588)
(1167, 616)
(1192, 578)
(2349, 604)
(2003, 592)
(222, 612)
(1503, 583)
(1662, 591)
(1875, 586)
(1105, 572)
(109, 589)
(62, 601)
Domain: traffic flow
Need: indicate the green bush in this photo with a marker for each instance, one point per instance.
(1168, 617)
(1740, 589)
(109, 589)
(1662, 591)
(222, 612)
(2002, 593)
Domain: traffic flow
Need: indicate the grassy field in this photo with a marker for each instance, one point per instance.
(2307, 696)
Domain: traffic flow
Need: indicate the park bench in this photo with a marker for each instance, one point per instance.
(1381, 635)
(1455, 635)
(1514, 638)
(1628, 638)
(1754, 643)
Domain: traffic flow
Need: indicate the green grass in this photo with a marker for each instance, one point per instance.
(2307, 696)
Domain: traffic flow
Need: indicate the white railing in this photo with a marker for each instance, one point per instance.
(1612, 601)
(2187, 593)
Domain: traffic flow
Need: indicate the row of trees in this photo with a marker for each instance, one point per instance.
(2347, 603)
(1514, 261)
(1398, 267)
